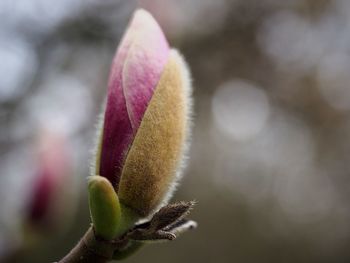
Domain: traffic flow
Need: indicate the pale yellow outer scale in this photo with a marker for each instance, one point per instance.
(156, 155)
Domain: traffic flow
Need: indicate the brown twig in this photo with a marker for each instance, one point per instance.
(92, 249)
(166, 224)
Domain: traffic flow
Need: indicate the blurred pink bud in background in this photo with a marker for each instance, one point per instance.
(52, 183)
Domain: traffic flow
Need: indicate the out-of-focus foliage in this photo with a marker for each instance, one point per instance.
(270, 154)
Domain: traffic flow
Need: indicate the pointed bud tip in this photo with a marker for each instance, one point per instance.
(143, 19)
(145, 31)
(142, 15)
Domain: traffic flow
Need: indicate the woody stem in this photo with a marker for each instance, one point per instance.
(91, 249)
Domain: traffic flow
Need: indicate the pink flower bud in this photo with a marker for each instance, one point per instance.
(146, 121)
(52, 175)
(136, 70)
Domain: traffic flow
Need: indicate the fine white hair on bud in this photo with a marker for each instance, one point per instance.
(96, 149)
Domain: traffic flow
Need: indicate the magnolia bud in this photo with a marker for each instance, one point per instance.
(146, 121)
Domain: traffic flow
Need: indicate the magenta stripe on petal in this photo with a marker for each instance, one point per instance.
(143, 67)
(135, 72)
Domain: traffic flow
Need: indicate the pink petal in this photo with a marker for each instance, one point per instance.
(135, 72)
(144, 65)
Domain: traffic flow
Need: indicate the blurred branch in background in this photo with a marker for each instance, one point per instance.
(270, 157)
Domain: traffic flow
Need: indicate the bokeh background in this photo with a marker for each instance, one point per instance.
(270, 158)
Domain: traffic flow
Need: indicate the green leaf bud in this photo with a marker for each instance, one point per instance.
(104, 207)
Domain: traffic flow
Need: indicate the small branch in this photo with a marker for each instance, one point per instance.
(91, 249)
(166, 224)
